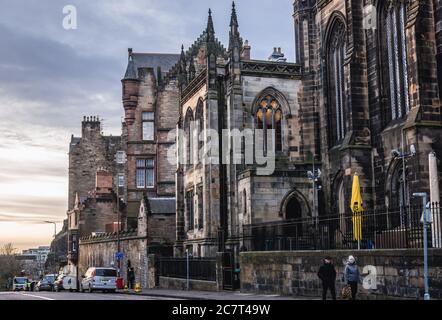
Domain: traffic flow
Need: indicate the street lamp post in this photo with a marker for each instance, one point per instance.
(404, 156)
(425, 222)
(120, 159)
(55, 245)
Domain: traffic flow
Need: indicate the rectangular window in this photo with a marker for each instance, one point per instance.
(145, 173)
(190, 211)
(121, 157)
(121, 180)
(148, 126)
(200, 208)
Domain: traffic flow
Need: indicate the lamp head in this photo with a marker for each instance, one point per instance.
(395, 153)
(413, 150)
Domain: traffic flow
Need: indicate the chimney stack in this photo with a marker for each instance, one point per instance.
(245, 52)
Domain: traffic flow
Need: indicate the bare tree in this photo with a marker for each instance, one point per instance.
(8, 249)
(10, 266)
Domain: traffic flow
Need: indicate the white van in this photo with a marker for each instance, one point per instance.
(97, 278)
(19, 283)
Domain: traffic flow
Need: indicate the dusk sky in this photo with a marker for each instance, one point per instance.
(50, 77)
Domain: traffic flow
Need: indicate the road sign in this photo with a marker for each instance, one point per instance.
(119, 255)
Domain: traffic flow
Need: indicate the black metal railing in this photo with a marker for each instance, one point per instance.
(381, 229)
(199, 268)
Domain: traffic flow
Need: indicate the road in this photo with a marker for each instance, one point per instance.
(72, 296)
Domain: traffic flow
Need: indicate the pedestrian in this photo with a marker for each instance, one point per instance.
(327, 274)
(9, 284)
(131, 277)
(351, 276)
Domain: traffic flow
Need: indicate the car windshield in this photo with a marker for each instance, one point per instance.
(49, 279)
(20, 280)
(106, 272)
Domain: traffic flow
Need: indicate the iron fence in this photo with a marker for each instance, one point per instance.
(381, 229)
(199, 268)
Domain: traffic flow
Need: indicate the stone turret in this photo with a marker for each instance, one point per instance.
(131, 86)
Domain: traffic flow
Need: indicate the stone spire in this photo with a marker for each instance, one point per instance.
(182, 69)
(233, 17)
(183, 64)
(234, 37)
(210, 30)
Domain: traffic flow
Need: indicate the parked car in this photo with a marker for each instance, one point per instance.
(99, 278)
(65, 282)
(47, 283)
(19, 283)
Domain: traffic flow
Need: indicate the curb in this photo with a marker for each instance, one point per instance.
(162, 295)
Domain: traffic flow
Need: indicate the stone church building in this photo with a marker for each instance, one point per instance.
(224, 89)
(370, 96)
(362, 98)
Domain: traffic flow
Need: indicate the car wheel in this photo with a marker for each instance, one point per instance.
(90, 289)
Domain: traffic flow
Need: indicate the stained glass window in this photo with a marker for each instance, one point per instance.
(269, 117)
(395, 16)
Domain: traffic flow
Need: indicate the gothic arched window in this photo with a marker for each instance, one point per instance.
(188, 136)
(394, 51)
(269, 116)
(335, 64)
(199, 118)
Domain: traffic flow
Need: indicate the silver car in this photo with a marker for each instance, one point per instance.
(99, 278)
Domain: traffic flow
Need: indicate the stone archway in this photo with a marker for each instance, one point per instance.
(295, 206)
(293, 209)
(293, 212)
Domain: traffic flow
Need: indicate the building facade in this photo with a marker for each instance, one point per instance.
(370, 97)
(252, 107)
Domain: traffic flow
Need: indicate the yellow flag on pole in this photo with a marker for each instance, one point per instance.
(357, 208)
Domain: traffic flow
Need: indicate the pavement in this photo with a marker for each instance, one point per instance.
(205, 295)
(66, 295)
(153, 294)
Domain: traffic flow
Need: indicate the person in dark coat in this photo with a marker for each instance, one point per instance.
(327, 274)
(131, 277)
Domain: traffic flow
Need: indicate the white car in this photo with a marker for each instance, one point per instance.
(99, 278)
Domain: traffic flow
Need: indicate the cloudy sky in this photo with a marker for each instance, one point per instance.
(50, 77)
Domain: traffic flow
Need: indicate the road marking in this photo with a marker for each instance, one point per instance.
(34, 296)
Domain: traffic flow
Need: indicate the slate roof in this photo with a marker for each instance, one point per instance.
(162, 205)
(151, 60)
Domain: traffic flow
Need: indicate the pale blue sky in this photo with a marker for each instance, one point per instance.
(50, 77)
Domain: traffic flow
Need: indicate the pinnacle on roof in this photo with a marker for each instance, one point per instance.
(234, 17)
(210, 29)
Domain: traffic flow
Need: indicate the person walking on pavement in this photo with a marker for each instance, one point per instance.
(131, 277)
(351, 276)
(327, 274)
